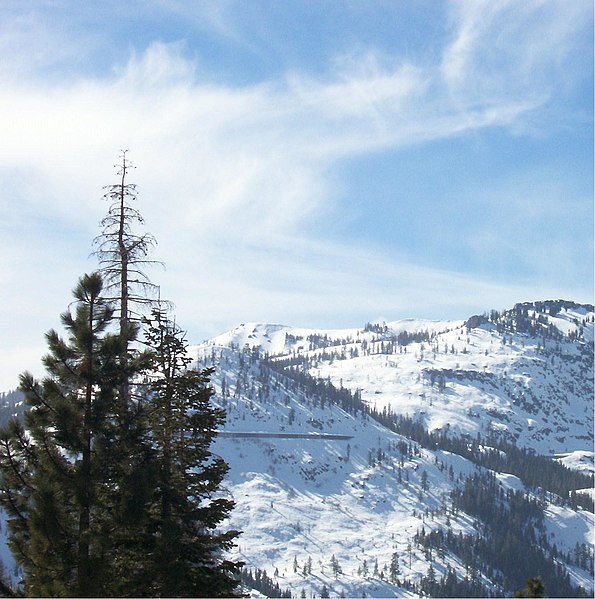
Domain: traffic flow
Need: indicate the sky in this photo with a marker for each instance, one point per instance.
(318, 164)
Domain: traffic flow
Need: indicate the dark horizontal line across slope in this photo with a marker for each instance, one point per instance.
(263, 435)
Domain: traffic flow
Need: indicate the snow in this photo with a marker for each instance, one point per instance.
(578, 460)
(272, 338)
(298, 498)
(504, 377)
(509, 481)
(569, 527)
(357, 497)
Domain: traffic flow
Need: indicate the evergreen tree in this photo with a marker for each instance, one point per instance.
(424, 481)
(533, 588)
(428, 582)
(53, 474)
(94, 511)
(335, 566)
(187, 504)
(394, 569)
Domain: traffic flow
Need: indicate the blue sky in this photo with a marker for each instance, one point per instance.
(312, 163)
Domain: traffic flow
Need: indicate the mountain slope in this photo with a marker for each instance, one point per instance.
(534, 388)
(405, 458)
(381, 513)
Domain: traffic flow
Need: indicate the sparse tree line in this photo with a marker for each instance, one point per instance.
(317, 341)
(260, 581)
(491, 452)
(531, 318)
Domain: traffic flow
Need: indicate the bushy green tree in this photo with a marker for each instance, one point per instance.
(53, 466)
(533, 588)
(188, 504)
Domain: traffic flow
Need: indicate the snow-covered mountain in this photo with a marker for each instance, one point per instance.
(380, 460)
(444, 458)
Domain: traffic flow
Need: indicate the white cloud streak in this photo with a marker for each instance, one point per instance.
(231, 178)
(501, 48)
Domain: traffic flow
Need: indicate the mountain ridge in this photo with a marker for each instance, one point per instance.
(506, 367)
(397, 497)
(409, 457)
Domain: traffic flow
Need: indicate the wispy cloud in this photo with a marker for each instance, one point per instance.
(505, 48)
(232, 177)
(245, 152)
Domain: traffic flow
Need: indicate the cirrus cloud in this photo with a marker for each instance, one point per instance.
(238, 181)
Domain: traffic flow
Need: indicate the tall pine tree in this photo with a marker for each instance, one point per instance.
(110, 486)
(188, 504)
(53, 468)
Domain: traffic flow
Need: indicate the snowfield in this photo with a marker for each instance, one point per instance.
(306, 505)
(326, 496)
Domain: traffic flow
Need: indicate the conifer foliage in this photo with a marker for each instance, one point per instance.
(533, 588)
(109, 484)
(186, 509)
(53, 466)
